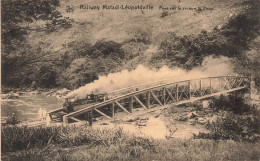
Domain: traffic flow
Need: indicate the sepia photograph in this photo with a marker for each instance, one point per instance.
(130, 80)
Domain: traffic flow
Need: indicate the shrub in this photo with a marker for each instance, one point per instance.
(234, 127)
(95, 144)
(230, 103)
(21, 138)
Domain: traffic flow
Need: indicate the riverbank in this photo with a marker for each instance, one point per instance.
(25, 103)
(12, 93)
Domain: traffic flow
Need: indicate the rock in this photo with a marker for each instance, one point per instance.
(159, 112)
(141, 124)
(192, 122)
(104, 124)
(205, 104)
(137, 118)
(11, 96)
(50, 93)
(146, 118)
(62, 92)
(191, 115)
(157, 116)
(182, 118)
(21, 93)
(219, 26)
(33, 92)
(134, 119)
(130, 120)
(4, 96)
(202, 121)
(230, 15)
(213, 118)
(15, 94)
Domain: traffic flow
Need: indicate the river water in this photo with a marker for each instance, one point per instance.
(26, 107)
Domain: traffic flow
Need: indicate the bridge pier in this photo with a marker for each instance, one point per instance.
(148, 99)
(65, 120)
(200, 88)
(131, 104)
(210, 86)
(177, 93)
(90, 117)
(163, 96)
(113, 110)
(189, 90)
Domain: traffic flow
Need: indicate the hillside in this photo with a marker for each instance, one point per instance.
(73, 48)
(117, 25)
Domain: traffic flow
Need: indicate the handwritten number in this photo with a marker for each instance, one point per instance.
(70, 9)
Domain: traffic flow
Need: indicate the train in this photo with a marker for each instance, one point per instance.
(96, 97)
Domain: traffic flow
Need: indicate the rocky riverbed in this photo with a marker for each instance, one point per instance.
(172, 122)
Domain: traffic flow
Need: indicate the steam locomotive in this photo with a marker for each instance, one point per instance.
(91, 98)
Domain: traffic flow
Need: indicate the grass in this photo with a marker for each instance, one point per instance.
(84, 143)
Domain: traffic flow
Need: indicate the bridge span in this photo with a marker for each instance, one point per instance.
(155, 97)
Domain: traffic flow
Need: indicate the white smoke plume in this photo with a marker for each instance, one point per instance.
(141, 75)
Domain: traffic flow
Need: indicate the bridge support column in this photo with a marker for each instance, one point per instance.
(163, 96)
(210, 86)
(65, 120)
(90, 117)
(177, 93)
(189, 89)
(113, 110)
(200, 88)
(131, 104)
(148, 99)
(220, 84)
(49, 115)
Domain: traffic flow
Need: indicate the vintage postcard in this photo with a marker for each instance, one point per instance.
(130, 80)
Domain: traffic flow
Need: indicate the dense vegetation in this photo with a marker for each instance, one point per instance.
(231, 103)
(51, 143)
(238, 121)
(24, 65)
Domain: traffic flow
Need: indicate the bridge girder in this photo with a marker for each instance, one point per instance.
(155, 97)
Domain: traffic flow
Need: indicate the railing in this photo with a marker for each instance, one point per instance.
(173, 92)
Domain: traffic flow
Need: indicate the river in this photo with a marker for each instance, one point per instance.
(26, 107)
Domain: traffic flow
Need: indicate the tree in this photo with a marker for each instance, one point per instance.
(80, 72)
(140, 34)
(108, 48)
(19, 59)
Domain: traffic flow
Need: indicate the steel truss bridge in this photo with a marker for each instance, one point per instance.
(155, 97)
